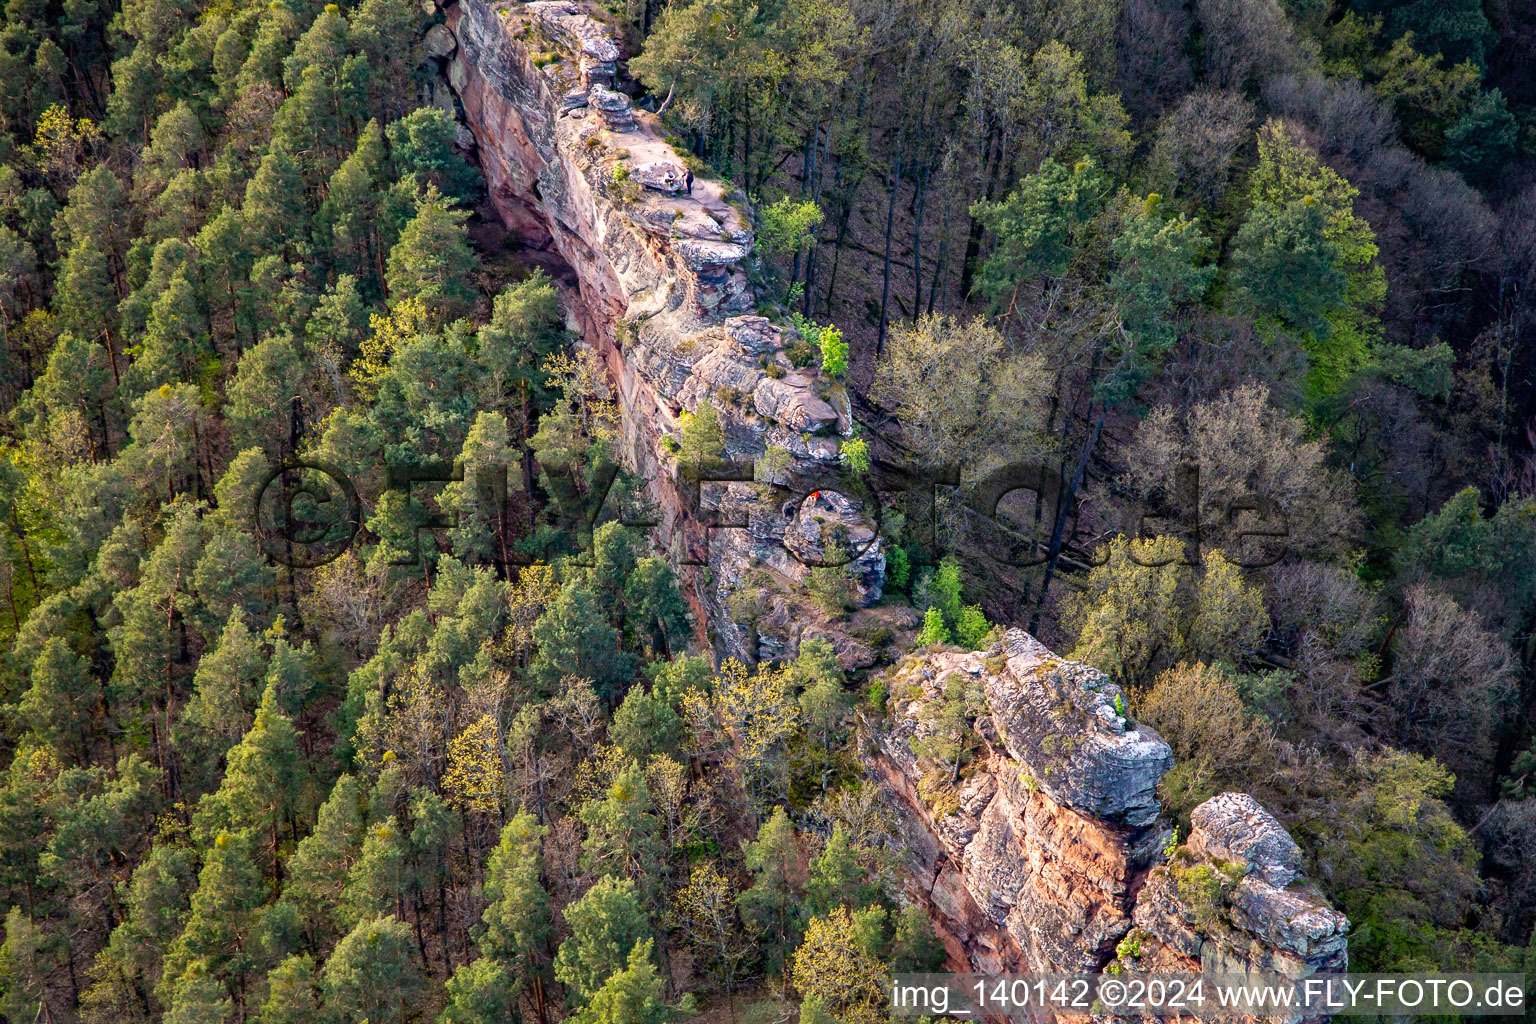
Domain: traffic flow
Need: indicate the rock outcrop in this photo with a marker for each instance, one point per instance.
(1048, 853)
(662, 263)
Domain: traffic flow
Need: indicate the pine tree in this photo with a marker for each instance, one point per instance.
(837, 878)
(607, 924)
(645, 724)
(273, 211)
(320, 865)
(703, 441)
(633, 995)
(819, 678)
(292, 994)
(216, 939)
(433, 262)
(376, 883)
(224, 694)
(623, 835)
(423, 145)
(23, 969)
(517, 918)
(654, 606)
(771, 905)
(263, 780)
(61, 704)
(573, 639)
(482, 991)
(372, 974)
(154, 912)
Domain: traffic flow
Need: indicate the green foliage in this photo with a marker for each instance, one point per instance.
(1285, 268)
(934, 631)
(1038, 227)
(631, 995)
(607, 926)
(702, 441)
(972, 627)
(432, 262)
(480, 992)
(372, 973)
(787, 227)
(771, 905)
(645, 724)
(1289, 171)
(421, 144)
(944, 590)
(1483, 138)
(517, 915)
(855, 454)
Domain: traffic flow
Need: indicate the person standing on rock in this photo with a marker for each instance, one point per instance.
(688, 182)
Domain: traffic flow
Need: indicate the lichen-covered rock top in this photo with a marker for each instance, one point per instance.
(1066, 723)
(1232, 900)
(1235, 827)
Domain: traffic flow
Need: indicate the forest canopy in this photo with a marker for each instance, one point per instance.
(1214, 264)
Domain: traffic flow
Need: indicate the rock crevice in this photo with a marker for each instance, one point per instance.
(662, 261)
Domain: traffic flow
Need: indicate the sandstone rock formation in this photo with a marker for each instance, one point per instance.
(662, 267)
(1049, 853)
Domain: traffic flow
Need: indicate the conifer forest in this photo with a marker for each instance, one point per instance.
(639, 511)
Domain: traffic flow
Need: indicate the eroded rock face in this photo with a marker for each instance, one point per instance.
(660, 257)
(1049, 853)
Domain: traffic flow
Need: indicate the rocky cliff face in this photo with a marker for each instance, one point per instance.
(1048, 853)
(662, 260)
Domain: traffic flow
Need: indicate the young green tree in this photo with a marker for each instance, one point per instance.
(23, 969)
(482, 991)
(702, 441)
(432, 262)
(61, 704)
(293, 997)
(645, 724)
(376, 883)
(1284, 266)
(838, 877)
(216, 941)
(225, 690)
(818, 676)
(573, 639)
(1289, 171)
(934, 631)
(771, 904)
(632, 995)
(654, 606)
(607, 925)
(318, 869)
(263, 781)
(423, 145)
(372, 975)
(517, 925)
(948, 718)
(623, 834)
